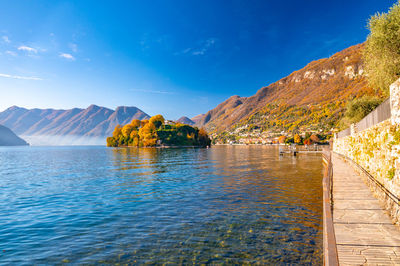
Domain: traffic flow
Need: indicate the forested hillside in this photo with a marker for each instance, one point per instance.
(310, 99)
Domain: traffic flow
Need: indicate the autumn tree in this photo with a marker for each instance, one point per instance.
(136, 123)
(314, 138)
(144, 122)
(157, 120)
(148, 134)
(117, 131)
(111, 142)
(282, 139)
(297, 138)
(127, 129)
(204, 140)
(134, 138)
(382, 50)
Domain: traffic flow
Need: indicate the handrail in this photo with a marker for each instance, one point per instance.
(329, 239)
(394, 198)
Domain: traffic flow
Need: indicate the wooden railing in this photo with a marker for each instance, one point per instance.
(379, 114)
(329, 239)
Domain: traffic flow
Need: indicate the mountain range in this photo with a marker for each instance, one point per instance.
(8, 138)
(312, 98)
(94, 121)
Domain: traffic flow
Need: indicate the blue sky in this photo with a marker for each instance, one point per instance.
(170, 57)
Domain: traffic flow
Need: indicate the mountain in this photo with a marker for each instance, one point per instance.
(94, 121)
(197, 118)
(185, 120)
(312, 98)
(8, 138)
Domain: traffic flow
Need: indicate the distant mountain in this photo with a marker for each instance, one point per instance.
(8, 138)
(311, 98)
(185, 120)
(94, 121)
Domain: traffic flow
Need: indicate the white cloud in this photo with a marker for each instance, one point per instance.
(206, 45)
(73, 47)
(19, 77)
(152, 91)
(11, 53)
(27, 49)
(67, 56)
(6, 39)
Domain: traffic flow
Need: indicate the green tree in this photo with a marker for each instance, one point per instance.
(358, 108)
(382, 49)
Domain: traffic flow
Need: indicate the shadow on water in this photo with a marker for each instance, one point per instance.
(227, 204)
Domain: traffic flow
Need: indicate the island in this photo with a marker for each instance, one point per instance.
(157, 132)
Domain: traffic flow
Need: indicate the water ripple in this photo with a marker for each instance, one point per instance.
(90, 205)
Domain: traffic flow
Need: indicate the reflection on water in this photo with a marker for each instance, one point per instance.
(227, 204)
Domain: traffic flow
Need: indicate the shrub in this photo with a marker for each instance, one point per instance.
(358, 108)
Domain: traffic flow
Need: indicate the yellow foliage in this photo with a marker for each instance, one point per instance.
(136, 123)
(126, 130)
(157, 120)
(282, 139)
(143, 122)
(297, 138)
(117, 131)
(148, 134)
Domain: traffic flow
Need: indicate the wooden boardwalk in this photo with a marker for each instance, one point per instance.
(364, 232)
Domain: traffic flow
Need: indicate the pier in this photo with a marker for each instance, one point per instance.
(357, 229)
(294, 149)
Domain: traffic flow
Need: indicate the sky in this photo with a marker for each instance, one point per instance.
(166, 57)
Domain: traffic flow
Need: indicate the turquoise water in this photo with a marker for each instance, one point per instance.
(227, 204)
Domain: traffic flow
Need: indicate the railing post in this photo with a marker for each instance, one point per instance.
(395, 102)
(353, 129)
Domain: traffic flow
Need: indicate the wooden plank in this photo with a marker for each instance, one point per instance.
(363, 230)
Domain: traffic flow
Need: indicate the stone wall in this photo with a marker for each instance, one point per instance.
(395, 102)
(377, 150)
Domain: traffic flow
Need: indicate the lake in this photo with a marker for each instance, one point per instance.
(226, 204)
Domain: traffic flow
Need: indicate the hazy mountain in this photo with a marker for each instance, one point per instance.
(8, 138)
(94, 121)
(315, 95)
(185, 120)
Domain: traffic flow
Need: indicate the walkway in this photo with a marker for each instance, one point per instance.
(364, 231)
